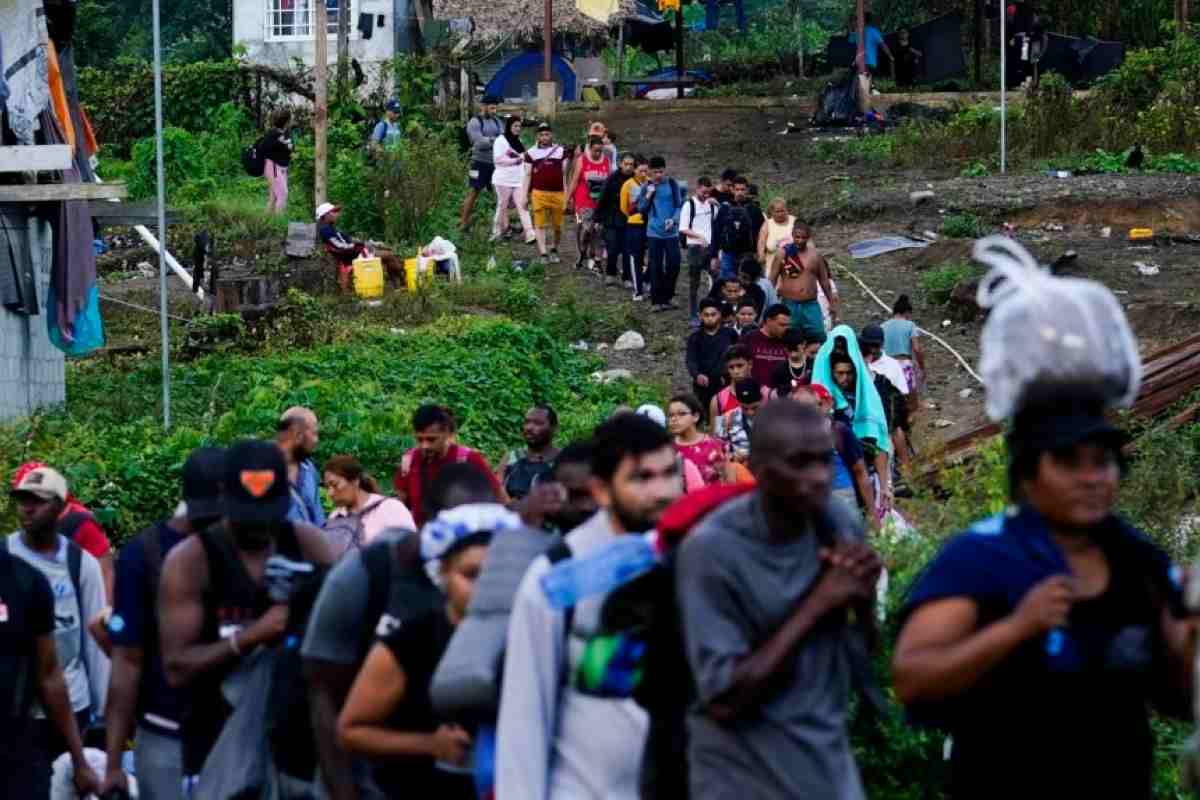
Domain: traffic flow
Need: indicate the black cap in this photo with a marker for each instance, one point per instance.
(203, 473)
(490, 100)
(256, 482)
(871, 334)
(545, 126)
(748, 391)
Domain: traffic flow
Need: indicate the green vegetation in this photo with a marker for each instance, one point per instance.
(936, 285)
(961, 226)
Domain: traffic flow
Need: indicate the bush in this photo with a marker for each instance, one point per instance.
(417, 186)
(961, 226)
(936, 285)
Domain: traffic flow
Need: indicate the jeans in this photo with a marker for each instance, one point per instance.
(159, 762)
(614, 243)
(697, 259)
(729, 264)
(664, 269)
(635, 250)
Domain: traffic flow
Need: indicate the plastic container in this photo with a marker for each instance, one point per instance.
(417, 271)
(368, 277)
(1141, 233)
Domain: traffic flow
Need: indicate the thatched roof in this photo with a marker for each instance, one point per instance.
(496, 18)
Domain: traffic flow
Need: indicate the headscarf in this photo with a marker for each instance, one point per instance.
(514, 140)
(459, 527)
(869, 421)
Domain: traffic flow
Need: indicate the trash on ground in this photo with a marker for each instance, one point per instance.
(1106, 232)
(1054, 226)
(1141, 233)
(922, 196)
(612, 375)
(943, 423)
(869, 248)
(946, 323)
(629, 340)
(1149, 270)
(965, 394)
(930, 235)
(580, 345)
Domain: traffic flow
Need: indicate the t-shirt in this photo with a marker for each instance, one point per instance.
(26, 614)
(386, 132)
(277, 146)
(88, 534)
(134, 623)
(736, 587)
(510, 164)
(521, 473)
(418, 646)
(549, 166)
(766, 353)
(592, 177)
(341, 245)
(698, 216)
(785, 377)
(482, 134)
(891, 369)
(708, 455)
(849, 452)
(872, 38)
(415, 474)
(735, 429)
(897, 337)
(1074, 717)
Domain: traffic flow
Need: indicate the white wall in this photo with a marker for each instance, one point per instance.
(249, 28)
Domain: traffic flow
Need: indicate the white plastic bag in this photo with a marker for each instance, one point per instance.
(1047, 328)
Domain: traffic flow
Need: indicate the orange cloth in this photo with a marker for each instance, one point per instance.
(89, 136)
(58, 97)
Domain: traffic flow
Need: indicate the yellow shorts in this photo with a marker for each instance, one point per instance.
(549, 209)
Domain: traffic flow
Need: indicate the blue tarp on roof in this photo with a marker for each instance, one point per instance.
(518, 79)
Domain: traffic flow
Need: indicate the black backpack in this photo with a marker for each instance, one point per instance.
(737, 232)
(254, 160)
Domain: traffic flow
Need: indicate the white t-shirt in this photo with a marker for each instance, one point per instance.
(891, 369)
(698, 215)
(510, 165)
(391, 513)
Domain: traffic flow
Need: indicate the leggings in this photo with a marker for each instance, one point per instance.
(277, 187)
(516, 196)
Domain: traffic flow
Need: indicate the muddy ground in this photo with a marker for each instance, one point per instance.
(848, 204)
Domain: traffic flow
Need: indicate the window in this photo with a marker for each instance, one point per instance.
(293, 19)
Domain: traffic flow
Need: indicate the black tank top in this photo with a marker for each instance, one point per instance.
(233, 601)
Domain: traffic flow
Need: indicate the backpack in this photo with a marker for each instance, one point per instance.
(691, 207)
(737, 234)
(345, 532)
(254, 160)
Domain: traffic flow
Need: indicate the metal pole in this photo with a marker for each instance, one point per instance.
(162, 219)
(320, 23)
(1003, 89)
(679, 74)
(547, 40)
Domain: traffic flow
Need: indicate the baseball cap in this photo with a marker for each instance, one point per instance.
(872, 335)
(394, 106)
(652, 412)
(544, 126)
(747, 391)
(325, 208)
(203, 473)
(44, 482)
(256, 482)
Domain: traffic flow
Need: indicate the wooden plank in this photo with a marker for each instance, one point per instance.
(105, 212)
(35, 158)
(54, 192)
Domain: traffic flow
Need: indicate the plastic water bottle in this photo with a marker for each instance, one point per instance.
(613, 565)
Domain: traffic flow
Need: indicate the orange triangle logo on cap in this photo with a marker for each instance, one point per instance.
(257, 481)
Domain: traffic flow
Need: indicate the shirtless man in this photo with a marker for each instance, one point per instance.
(796, 271)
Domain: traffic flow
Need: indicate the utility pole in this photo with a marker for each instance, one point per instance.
(547, 91)
(678, 51)
(861, 76)
(343, 47)
(320, 24)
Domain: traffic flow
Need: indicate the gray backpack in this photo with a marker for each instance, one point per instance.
(345, 532)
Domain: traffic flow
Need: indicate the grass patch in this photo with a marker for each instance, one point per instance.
(936, 285)
(961, 226)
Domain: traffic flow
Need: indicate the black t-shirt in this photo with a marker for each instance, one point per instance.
(785, 377)
(26, 613)
(418, 646)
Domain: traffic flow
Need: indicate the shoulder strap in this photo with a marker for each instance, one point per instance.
(152, 547)
(75, 570)
(561, 551)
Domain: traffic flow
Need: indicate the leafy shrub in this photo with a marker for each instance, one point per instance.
(416, 185)
(976, 169)
(183, 161)
(936, 285)
(961, 226)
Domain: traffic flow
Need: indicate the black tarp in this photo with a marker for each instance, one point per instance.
(649, 30)
(837, 103)
(939, 40)
(1078, 60)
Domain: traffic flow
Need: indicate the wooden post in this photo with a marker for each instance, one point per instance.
(321, 101)
(343, 47)
(620, 61)
(547, 40)
(679, 51)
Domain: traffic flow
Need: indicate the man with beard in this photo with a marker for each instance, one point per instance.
(213, 605)
(799, 270)
(559, 739)
(764, 586)
(297, 438)
(522, 469)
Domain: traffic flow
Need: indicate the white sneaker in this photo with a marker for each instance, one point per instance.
(638, 298)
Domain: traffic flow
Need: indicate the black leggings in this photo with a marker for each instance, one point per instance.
(614, 243)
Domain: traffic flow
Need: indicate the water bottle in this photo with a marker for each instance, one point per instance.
(613, 565)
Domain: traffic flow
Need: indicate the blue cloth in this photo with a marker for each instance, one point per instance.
(135, 624)
(868, 420)
(306, 496)
(897, 336)
(729, 265)
(87, 332)
(872, 38)
(665, 203)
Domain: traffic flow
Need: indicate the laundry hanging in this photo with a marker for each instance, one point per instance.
(23, 30)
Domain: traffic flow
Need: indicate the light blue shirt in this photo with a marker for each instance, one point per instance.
(667, 205)
(306, 496)
(873, 38)
(897, 337)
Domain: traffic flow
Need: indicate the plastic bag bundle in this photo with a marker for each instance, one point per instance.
(1047, 328)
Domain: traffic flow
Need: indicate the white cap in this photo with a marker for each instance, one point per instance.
(43, 482)
(653, 412)
(324, 209)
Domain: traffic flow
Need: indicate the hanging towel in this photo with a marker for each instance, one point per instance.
(58, 96)
(23, 30)
(599, 10)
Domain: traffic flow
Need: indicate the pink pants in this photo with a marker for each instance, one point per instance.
(516, 196)
(277, 187)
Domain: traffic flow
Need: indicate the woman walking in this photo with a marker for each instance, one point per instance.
(901, 342)
(277, 153)
(509, 180)
(776, 232)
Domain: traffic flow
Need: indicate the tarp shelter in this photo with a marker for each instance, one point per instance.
(939, 40)
(518, 79)
(1079, 61)
(648, 30)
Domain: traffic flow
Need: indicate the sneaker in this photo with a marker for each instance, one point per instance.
(590, 264)
(554, 259)
(637, 298)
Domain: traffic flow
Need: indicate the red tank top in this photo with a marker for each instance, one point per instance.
(592, 177)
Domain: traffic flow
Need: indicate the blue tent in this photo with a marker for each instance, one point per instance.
(518, 79)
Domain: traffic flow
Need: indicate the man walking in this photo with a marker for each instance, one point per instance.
(735, 231)
(706, 350)
(522, 469)
(482, 131)
(764, 585)
(214, 607)
(138, 694)
(547, 181)
(635, 226)
(589, 174)
(696, 228)
(297, 437)
(610, 216)
(799, 270)
(561, 737)
(661, 203)
(387, 131)
(71, 671)
(766, 345)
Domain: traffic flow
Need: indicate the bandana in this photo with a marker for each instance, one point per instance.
(450, 531)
